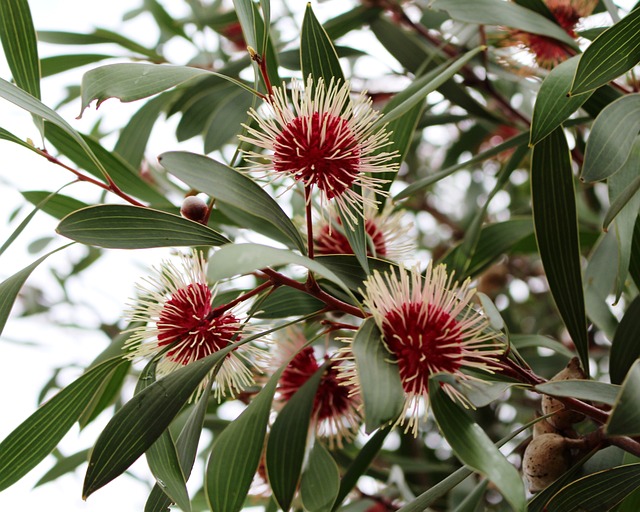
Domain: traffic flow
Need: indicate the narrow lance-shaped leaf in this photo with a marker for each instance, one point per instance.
(318, 57)
(162, 456)
(380, 384)
(187, 446)
(624, 419)
(143, 419)
(130, 82)
(320, 481)
(612, 137)
(497, 12)
(20, 45)
(229, 186)
(600, 491)
(34, 439)
(554, 213)
(613, 53)
(625, 348)
(288, 439)
(553, 107)
(133, 227)
(11, 286)
(474, 448)
(237, 450)
(31, 104)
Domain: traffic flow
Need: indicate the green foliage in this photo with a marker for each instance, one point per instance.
(523, 179)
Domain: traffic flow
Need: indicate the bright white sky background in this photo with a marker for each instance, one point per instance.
(29, 348)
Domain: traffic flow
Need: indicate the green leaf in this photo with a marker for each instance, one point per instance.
(497, 12)
(225, 122)
(318, 57)
(350, 272)
(143, 419)
(132, 227)
(625, 348)
(10, 287)
(494, 240)
(475, 499)
(60, 63)
(123, 175)
(624, 419)
(130, 82)
(285, 301)
(553, 106)
(6, 135)
(360, 464)
(162, 456)
(135, 135)
(380, 385)
(554, 213)
(320, 481)
(99, 36)
(417, 97)
(39, 434)
(57, 206)
(187, 446)
(521, 341)
(236, 259)
(612, 137)
(63, 466)
(474, 448)
(19, 43)
(613, 53)
(24, 100)
(288, 439)
(599, 279)
(236, 452)
(624, 188)
(598, 491)
(581, 389)
(423, 183)
(229, 186)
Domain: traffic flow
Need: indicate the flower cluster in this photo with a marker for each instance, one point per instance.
(322, 138)
(548, 52)
(429, 326)
(178, 323)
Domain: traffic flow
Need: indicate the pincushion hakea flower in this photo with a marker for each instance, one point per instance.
(175, 310)
(387, 235)
(547, 51)
(335, 408)
(428, 326)
(322, 138)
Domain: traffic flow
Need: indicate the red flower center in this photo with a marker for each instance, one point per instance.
(332, 399)
(185, 321)
(424, 341)
(335, 242)
(320, 150)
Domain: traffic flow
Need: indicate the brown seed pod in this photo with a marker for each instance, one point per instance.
(562, 418)
(546, 458)
(194, 208)
(543, 427)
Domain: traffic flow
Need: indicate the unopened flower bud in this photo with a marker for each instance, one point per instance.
(194, 208)
(563, 418)
(546, 458)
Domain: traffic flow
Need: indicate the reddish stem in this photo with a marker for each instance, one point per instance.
(225, 307)
(317, 292)
(110, 185)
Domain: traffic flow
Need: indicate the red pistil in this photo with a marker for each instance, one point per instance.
(320, 150)
(333, 241)
(424, 342)
(185, 320)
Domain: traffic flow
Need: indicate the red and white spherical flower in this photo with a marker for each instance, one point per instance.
(177, 319)
(428, 326)
(388, 235)
(321, 137)
(335, 413)
(546, 51)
